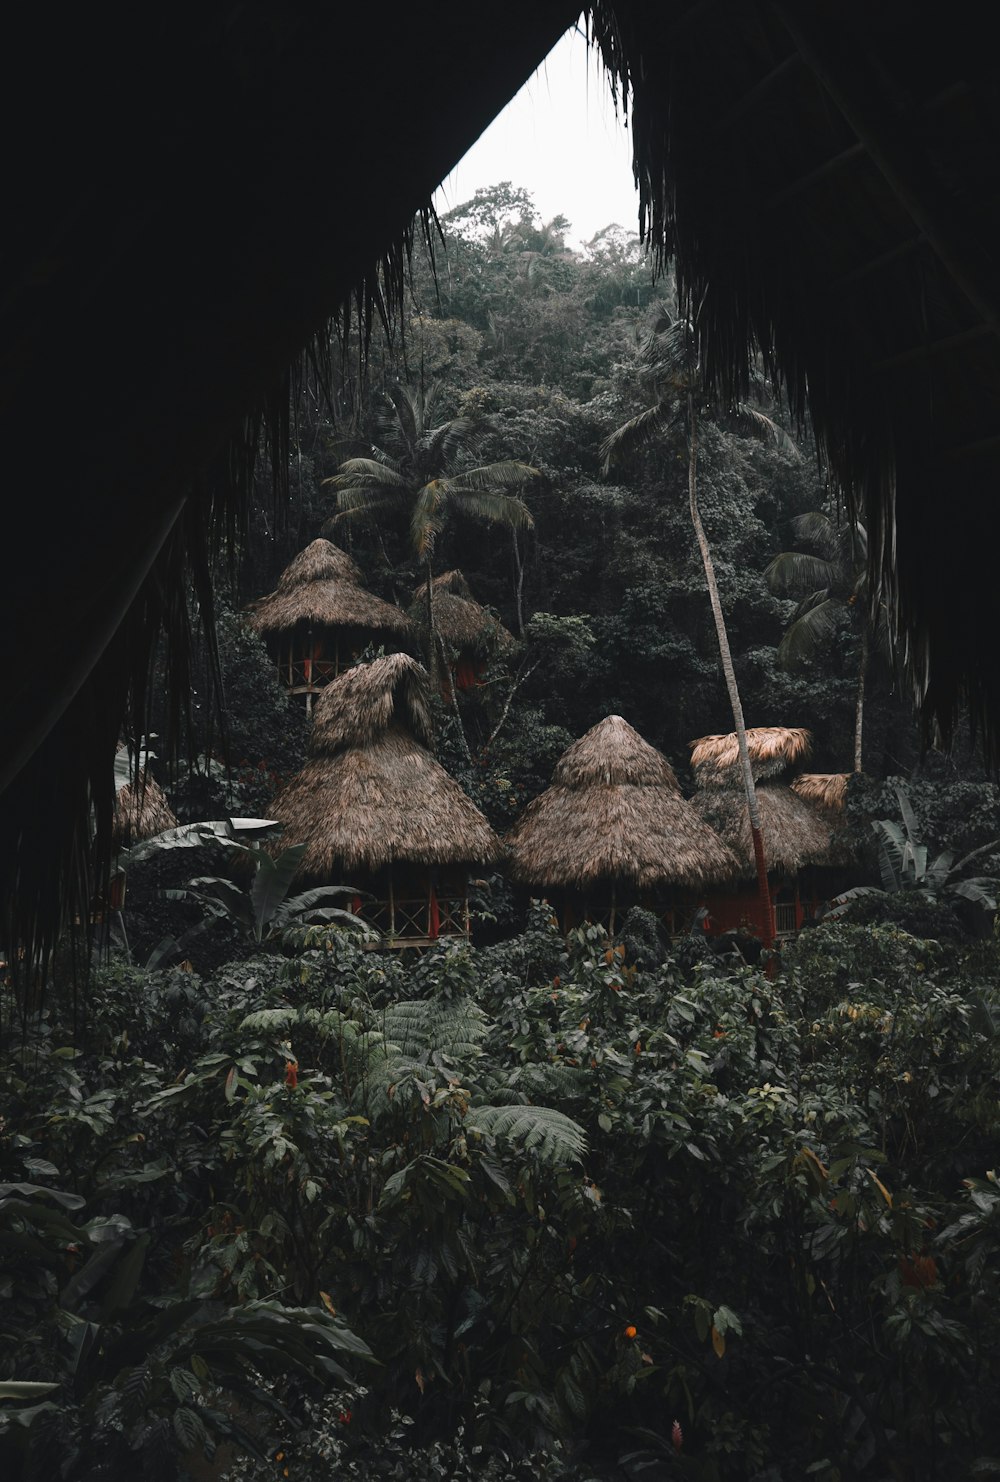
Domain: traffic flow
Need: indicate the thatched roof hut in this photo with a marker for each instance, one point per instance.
(371, 794)
(794, 832)
(615, 812)
(141, 810)
(467, 629)
(321, 588)
(774, 752)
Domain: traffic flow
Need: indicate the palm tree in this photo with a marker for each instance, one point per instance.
(415, 473)
(832, 581)
(668, 358)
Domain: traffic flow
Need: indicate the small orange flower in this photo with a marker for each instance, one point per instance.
(630, 1331)
(638, 1047)
(291, 1074)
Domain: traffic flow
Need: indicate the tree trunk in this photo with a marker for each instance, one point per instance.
(431, 644)
(859, 708)
(519, 588)
(766, 910)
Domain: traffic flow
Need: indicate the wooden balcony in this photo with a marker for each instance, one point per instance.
(418, 922)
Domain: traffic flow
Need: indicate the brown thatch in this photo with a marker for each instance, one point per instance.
(774, 750)
(464, 626)
(320, 561)
(322, 587)
(615, 812)
(370, 792)
(140, 812)
(795, 834)
(827, 793)
(364, 701)
(827, 789)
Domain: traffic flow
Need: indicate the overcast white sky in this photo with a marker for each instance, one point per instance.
(558, 138)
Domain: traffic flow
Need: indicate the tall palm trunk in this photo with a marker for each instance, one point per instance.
(766, 912)
(432, 658)
(859, 707)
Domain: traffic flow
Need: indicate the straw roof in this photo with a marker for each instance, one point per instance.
(370, 792)
(827, 793)
(322, 587)
(320, 561)
(364, 701)
(794, 832)
(774, 750)
(615, 812)
(140, 812)
(462, 623)
(827, 789)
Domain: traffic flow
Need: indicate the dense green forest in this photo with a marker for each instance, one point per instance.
(276, 1204)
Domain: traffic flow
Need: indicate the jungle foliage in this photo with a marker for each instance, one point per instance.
(600, 1219)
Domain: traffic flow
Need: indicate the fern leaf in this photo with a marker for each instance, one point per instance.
(555, 1137)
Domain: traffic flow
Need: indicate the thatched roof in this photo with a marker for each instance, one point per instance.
(794, 833)
(370, 792)
(364, 701)
(827, 789)
(322, 587)
(826, 182)
(320, 561)
(774, 751)
(140, 812)
(464, 626)
(827, 793)
(615, 812)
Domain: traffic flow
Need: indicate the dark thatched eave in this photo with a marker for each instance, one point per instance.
(827, 179)
(168, 258)
(615, 812)
(827, 793)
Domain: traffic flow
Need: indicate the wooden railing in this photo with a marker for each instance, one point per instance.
(306, 676)
(410, 923)
(785, 924)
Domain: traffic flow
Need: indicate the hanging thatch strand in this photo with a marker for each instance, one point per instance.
(795, 834)
(615, 812)
(774, 751)
(370, 792)
(827, 789)
(465, 627)
(140, 812)
(322, 587)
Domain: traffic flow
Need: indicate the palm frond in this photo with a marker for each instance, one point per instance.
(752, 422)
(809, 631)
(635, 434)
(817, 529)
(362, 501)
(794, 571)
(555, 1137)
(442, 443)
(364, 471)
(494, 507)
(508, 473)
(429, 515)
